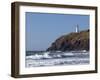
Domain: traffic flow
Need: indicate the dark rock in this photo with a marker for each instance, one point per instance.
(72, 41)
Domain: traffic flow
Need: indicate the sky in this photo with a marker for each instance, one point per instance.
(42, 29)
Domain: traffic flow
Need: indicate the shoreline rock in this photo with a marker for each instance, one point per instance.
(71, 41)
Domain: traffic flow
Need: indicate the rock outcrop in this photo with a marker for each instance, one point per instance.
(71, 41)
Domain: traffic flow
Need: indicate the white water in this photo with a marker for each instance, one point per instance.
(54, 59)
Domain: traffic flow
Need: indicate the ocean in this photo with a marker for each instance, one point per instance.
(58, 58)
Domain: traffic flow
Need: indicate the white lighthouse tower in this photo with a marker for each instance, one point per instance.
(77, 29)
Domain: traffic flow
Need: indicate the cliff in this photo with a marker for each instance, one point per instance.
(71, 41)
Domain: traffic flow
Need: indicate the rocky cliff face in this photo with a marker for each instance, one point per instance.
(72, 41)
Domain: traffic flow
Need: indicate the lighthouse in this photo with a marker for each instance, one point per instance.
(77, 29)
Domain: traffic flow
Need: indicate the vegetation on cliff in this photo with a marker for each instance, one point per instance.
(72, 41)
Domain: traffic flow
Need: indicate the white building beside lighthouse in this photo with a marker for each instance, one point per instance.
(77, 29)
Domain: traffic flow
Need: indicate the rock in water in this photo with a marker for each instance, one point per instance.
(71, 41)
